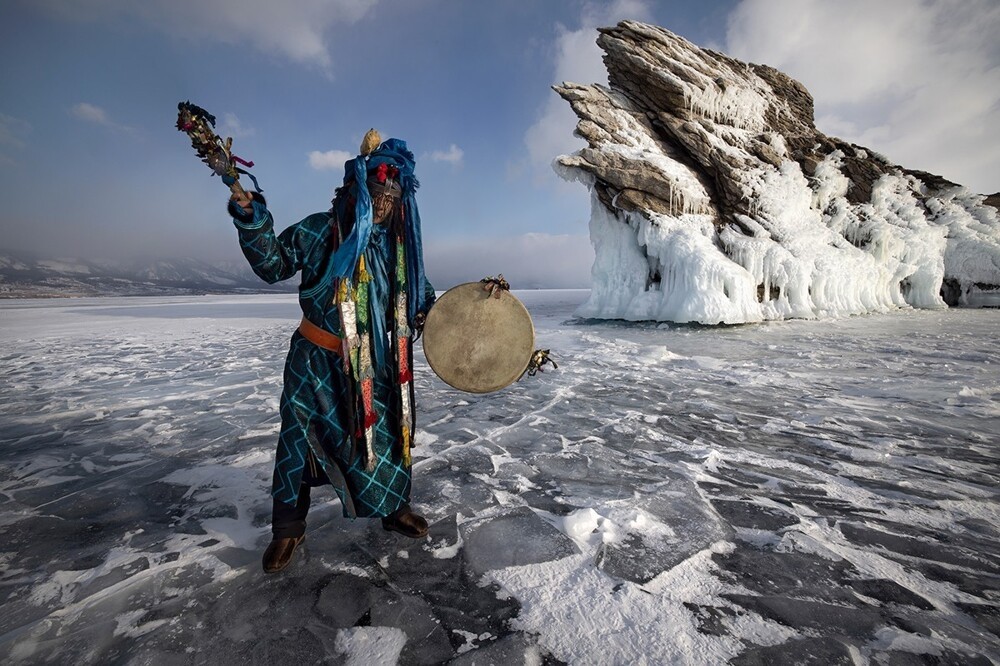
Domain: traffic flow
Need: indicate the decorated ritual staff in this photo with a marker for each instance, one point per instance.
(347, 405)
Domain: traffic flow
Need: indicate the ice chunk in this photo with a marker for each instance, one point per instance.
(513, 539)
(645, 549)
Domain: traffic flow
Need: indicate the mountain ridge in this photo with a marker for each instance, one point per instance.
(26, 275)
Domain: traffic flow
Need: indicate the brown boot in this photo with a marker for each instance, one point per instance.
(407, 523)
(279, 553)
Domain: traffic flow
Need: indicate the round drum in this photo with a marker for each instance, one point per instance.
(476, 342)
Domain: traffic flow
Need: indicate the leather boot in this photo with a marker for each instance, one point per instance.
(279, 553)
(407, 523)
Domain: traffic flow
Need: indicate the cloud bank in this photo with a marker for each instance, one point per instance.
(916, 80)
(294, 31)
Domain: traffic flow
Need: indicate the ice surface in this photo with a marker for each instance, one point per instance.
(675, 494)
(513, 539)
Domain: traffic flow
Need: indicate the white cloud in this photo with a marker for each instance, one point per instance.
(454, 155)
(578, 60)
(91, 113)
(234, 127)
(293, 30)
(329, 160)
(918, 81)
(98, 116)
(529, 261)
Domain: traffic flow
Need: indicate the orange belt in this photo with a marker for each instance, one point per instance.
(320, 337)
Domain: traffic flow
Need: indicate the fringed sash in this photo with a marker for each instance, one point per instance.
(356, 323)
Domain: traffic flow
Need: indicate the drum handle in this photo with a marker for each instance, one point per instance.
(495, 285)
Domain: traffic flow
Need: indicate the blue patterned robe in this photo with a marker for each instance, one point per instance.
(316, 409)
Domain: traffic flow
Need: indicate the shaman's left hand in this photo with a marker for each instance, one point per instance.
(418, 324)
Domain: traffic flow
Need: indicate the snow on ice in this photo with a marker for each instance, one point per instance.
(672, 494)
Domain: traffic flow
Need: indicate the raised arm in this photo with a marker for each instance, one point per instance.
(273, 258)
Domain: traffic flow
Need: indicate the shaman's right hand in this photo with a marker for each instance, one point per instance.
(243, 199)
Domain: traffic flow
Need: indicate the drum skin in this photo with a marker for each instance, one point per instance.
(478, 343)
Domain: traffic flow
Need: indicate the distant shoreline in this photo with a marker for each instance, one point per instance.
(180, 294)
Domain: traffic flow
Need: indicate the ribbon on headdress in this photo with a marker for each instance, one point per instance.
(345, 261)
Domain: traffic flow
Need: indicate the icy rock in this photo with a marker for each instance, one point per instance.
(715, 199)
(513, 539)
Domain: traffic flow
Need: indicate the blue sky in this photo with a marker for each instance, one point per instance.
(91, 166)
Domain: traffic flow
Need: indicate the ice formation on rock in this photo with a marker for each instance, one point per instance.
(716, 199)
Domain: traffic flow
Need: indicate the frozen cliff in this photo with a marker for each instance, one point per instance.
(717, 200)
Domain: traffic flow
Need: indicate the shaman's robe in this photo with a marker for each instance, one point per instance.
(320, 418)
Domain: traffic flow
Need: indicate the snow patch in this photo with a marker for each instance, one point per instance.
(370, 646)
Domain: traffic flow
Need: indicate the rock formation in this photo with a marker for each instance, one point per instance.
(716, 199)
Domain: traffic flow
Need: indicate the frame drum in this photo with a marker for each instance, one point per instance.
(476, 342)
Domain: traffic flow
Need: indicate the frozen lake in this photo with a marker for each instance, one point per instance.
(671, 494)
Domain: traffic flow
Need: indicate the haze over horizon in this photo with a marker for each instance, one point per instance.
(92, 167)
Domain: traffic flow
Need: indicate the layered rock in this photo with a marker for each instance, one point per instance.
(716, 199)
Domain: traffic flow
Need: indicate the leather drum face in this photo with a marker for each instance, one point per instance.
(476, 342)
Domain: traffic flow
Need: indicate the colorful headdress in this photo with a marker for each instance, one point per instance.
(391, 161)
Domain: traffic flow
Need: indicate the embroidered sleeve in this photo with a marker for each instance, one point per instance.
(272, 258)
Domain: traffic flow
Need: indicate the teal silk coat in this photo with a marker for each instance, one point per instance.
(317, 413)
